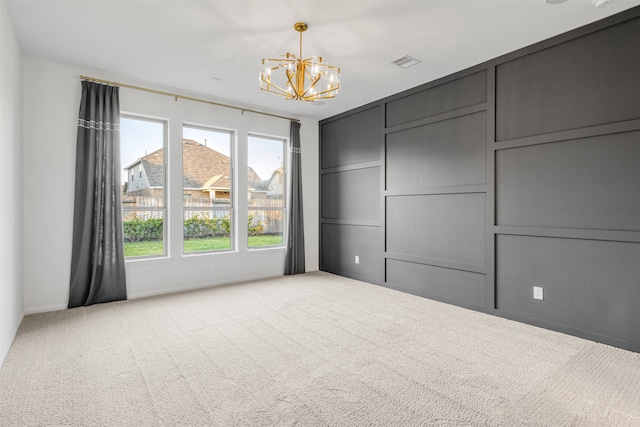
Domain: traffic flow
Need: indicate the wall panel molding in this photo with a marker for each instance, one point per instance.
(445, 153)
(456, 189)
(449, 96)
(462, 287)
(570, 233)
(545, 191)
(462, 266)
(590, 80)
(586, 132)
(347, 140)
(438, 118)
(589, 183)
(355, 222)
(448, 227)
(356, 166)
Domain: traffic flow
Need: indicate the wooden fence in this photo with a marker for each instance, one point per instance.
(262, 210)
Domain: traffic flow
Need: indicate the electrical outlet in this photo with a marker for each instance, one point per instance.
(357, 259)
(538, 293)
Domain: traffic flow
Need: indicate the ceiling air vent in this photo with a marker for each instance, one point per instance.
(405, 61)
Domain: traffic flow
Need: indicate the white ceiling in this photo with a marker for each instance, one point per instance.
(184, 44)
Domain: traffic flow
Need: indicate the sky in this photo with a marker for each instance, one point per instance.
(140, 137)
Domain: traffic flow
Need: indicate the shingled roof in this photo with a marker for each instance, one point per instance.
(202, 167)
(154, 173)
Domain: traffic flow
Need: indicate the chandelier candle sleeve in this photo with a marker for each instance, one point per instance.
(296, 78)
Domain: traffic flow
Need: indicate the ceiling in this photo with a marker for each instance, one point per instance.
(214, 47)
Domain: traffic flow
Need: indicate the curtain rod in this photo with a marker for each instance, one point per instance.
(189, 98)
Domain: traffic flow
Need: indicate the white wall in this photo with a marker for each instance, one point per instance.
(309, 143)
(11, 300)
(51, 100)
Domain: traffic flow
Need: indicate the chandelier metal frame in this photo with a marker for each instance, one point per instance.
(303, 79)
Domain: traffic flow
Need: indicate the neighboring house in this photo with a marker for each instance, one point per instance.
(272, 188)
(275, 184)
(206, 175)
(145, 176)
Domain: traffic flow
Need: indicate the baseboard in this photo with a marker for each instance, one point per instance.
(4, 352)
(45, 308)
(200, 286)
(354, 277)
(56, 307)
(571, 330)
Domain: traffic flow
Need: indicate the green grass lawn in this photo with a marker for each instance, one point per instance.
(197, 245)
(142, 248)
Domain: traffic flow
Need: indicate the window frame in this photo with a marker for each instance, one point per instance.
(164, 209)
(285, 196)
(232, 209)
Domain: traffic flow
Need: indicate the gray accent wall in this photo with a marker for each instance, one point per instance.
(351, 203)
(519, 172)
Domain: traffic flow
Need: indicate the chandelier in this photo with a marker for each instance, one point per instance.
(296, 78)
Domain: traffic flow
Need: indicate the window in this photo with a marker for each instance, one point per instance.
(207, 189)
(142, 148)
(266, 180)
(204, 201)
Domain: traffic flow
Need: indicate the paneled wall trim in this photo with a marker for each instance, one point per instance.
(521, 171)
(351, 208)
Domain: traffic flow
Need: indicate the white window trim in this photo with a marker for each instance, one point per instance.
(165, 209)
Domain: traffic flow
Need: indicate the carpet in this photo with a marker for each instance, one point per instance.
(307, 350)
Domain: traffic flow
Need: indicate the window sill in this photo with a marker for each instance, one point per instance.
(146, 261)
(267, 249)
(198, 255)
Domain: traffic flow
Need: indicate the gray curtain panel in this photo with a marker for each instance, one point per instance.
(294, 259)
(97, 262)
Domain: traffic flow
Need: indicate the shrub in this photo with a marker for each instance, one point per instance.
(202, 226)
(254, 229)
(138, 229)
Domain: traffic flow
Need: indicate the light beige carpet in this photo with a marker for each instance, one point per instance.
(307, 350)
